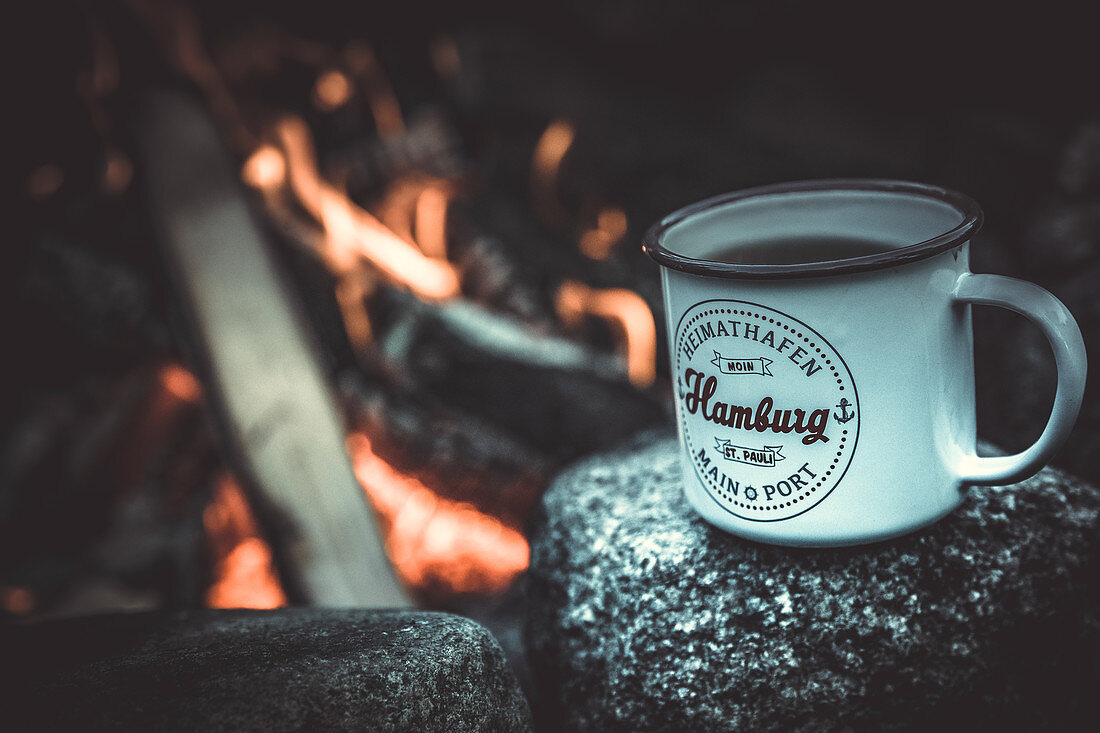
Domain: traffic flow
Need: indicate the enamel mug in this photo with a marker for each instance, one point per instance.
(830, 400)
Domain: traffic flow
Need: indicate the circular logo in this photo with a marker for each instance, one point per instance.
(769, 410)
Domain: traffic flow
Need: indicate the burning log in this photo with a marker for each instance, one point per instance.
(598, 242)
(376, 212)
(352, 234)
(558, 396)
(629, 316)
(244, 573)
(109, 481)
(264, 377)
(436, 543)
(429, 145)
(457, 454)
(549, 152)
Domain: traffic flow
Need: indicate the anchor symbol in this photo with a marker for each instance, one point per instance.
(844, 415)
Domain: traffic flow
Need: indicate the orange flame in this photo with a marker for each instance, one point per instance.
(265, 168)
(415, 209)
(45, 180)
(94, 84)
(350, 292)
(435, 541)
(610, 227)
(16, 599)
(117, 172)
(332, 90)
(627, 314)
(171, 401)
(180, 383)
(431, 221)
(244, 572)
(351, 232)
(397, 208)
(445, 57)
(545, 166)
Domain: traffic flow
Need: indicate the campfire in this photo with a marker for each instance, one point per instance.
(468, 361)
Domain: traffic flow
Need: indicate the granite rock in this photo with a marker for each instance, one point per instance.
(292, 669)
(643, 617)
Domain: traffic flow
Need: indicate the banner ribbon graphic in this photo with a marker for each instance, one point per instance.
(741, 366)
(769, 455)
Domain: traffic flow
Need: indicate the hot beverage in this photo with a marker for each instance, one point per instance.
(797, 250)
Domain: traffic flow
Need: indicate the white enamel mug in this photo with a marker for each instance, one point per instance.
(828, 403)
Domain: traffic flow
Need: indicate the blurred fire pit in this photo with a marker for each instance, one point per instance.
(470, 366)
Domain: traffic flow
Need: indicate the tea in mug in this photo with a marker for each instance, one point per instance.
(798, 250)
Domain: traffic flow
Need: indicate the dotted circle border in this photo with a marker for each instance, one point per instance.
(681, 326)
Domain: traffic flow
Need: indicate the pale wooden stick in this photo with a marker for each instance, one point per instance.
(263, 375)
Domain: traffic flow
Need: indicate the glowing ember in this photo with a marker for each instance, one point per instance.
(332, 90)
(45, 180)
(265, 168)
(352, 232)
(445, 57)
(172, 400)
(415, 209)
(545, 165)
(434, 541)
(376, 87)
(627, 314)
(16, 600)
(610, 227)
(350, 292)
(180, 383)
(431, 221)
(117, 172)
(244, 572)
(397, 208)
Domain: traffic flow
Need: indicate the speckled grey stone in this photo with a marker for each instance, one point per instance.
(643, 617)
(292, 669)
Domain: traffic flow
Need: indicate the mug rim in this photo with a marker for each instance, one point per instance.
(653, 241)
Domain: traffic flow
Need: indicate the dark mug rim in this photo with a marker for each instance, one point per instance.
(653, 241)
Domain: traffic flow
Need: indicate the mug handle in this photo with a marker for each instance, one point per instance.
(1061, 330)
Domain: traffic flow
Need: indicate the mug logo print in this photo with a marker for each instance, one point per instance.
(807, 405)
(742, 366)
(766, 456)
